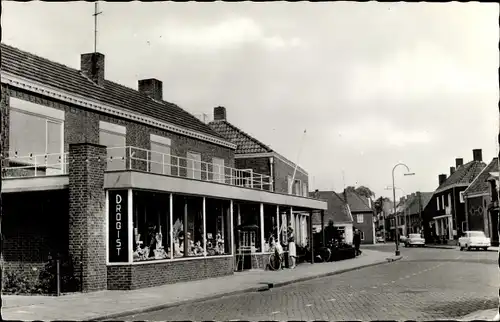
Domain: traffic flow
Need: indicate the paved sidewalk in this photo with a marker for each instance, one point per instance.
(113, 304)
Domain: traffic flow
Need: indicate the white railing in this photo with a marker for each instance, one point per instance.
(35, 165)
(133, 158)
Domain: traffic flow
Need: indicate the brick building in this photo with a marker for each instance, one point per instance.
(141, 191)
(363, 214)
(478, 199)
(338, 211)
(449, 220)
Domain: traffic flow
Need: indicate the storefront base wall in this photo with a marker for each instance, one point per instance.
(130, 277)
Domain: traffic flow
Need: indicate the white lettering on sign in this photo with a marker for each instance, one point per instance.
(118, 218)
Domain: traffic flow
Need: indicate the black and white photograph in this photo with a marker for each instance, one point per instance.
(249, 161)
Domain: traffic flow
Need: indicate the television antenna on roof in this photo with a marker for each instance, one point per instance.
(95, 14)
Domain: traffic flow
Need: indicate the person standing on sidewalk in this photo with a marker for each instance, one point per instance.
(357, 241)
(292, 251)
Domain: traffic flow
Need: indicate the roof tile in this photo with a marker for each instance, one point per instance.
(465, 174)
(480, 185)
(44, 71)
(246, 143)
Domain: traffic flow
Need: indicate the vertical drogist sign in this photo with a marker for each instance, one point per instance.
(118, 226)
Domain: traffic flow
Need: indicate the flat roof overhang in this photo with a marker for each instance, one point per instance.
(157, 182)
(35, 183)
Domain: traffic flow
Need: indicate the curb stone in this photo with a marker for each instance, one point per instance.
(265, 287)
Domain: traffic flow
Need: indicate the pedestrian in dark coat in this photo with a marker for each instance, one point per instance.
(357, 241)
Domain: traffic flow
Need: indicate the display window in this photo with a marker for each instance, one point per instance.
(151, 230)
(218, 226)
(270, 229)
(187, 230)
(249, 227)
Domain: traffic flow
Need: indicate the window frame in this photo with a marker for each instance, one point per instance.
(165, 142)
(45, 113)
(113, 129)
(221, 177)
(193, 170)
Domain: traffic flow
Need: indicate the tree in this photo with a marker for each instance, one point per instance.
(362, 191)
(379, 204)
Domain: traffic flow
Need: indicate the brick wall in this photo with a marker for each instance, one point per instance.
(34, 225)
(83, 126)
(260, 165)
(4, 122)
(366, 226)
(281, 171)
(87, 235)
(129, 277)
(477, 220)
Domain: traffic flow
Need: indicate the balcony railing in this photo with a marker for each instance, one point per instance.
(35, 165)
(133, 158)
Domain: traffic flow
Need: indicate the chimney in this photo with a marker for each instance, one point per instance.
(152, 88)
(219, 113)
(459, 162)
(92, 66)
(478, 154)
(452, 170)
(442, 178)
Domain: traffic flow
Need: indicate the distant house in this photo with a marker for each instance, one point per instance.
(449, 220)
(477, 199)
(412, 211)
(363, 214)
(338, 212)
(256, 156)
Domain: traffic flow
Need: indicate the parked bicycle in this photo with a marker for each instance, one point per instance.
(276, 259)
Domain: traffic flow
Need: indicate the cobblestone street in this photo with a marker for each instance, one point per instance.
(426, 284)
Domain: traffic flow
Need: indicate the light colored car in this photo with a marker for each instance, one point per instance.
(380, 239)
(474, 240)
(414, 240)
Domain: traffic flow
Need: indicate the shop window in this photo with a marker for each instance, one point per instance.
(161, 159)
(151, 230)
(218, 170)
(270, 229)
(36, 138)
(187, 228)
(284, 223)
(194, 165)
(218, 226)
(113, 136)
(249, 229)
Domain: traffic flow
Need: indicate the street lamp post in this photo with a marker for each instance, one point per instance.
(394, 196)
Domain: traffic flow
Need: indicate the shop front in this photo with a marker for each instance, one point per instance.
(160, 237)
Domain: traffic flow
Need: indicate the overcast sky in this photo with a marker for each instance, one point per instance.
(373, 83)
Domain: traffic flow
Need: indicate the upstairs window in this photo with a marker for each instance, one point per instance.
(113, 136)
(194, 165)
(437, 203)
(218, 170)
(359, 219)
(161, 159)
(36, 135)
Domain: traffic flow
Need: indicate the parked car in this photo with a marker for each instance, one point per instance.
(414, 240)
(380, 239)
(474, 240)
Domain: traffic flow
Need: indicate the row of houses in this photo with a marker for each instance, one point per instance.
(465, 199)
(134, 188)
(347, 211)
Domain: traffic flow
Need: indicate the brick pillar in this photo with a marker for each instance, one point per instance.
(87, 223)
